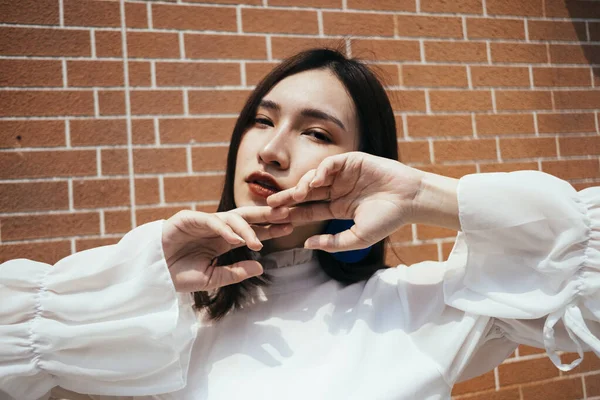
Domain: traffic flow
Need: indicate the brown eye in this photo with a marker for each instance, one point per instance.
(319, 135)
(263, 121)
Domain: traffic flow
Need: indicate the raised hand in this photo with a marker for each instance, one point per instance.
(192, 240)
(377, 193)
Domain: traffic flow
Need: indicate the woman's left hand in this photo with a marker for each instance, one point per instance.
(377, 193)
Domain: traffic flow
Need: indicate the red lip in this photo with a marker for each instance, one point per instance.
(263, 184)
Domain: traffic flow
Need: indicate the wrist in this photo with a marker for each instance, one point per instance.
(436, 202)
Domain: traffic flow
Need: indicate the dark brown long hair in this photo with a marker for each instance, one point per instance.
(377, 129)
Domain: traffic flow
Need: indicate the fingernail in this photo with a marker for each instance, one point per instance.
(240, 239)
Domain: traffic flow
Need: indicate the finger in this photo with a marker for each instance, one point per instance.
(328, 167)
(343, 241)
(241, 227)
(262, 214)
(273, 231)
(294, 194)
(311, 213)
(234, 273)
(219, 227)
(288, 200)
(302, 187)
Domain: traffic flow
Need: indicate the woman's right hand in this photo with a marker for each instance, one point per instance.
(192, 240)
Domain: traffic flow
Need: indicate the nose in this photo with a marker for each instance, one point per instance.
(275, 151)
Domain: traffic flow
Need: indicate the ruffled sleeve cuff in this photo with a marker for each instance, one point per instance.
(104, 321)
(529, 248)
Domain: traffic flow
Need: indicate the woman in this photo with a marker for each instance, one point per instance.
(307, 313)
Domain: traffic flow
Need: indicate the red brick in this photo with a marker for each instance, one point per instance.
(500, 76)
(453, 171)
(209, 158)
(111, 102)
(342, 23)
(108, 43)
(51, 225)
(439, 125)
(455, 51)
(509, 167)
(460, 100)
(547, 77)
(565, 100)
(193, 188)
(434, 76)
(191, 130)
(572, 9)
(518, 53)
(574, 54)
(95, 73)
(279, 21)
(146, 215)
(117, 221)
(28, 73)
(525, 350)
(592, 385)
(159, 160)
(142, 131)
(508, 124)
(103, 13)
(450, 6)
(457, 150)
(225, 47)
(152, 45)
(236, 2)
(90, 243)
(526, 371)
(98, 132)
(46, 103)
(426, 232)
(157, 102)
(36, 12)
(566, 123)
(556, 30)
(411, 254)
(184, 17)
(100, 193)
(283, 47)
(502, 394)
(47, 252)
(32, 133)
(590, 362)
(594, 28)
(386, 5)
(529, 8)
(579, 146)
(256, 71)
(482, 382)
(44, 42)
(488, 28)
(114, 162)
(197, 74)
(304, 3)
(147, 191)
(563, 389)
(407, 100)
(28, 196)
(139, 73)
(34, 164)
(523, 100)
(217, 101)
(584, 185)
(414, 152)
(386, 50)
(527, 148)
(404, 234)
(572, 169)
(446, 27)
(388, 74)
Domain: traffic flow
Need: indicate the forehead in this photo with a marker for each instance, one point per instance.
(319, 89)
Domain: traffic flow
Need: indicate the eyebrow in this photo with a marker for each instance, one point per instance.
(306, 112)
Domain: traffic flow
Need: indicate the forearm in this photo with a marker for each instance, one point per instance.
(436, 203)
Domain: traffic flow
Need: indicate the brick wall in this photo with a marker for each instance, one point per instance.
(95, 140)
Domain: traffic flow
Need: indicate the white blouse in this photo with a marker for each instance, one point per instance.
(108, 322)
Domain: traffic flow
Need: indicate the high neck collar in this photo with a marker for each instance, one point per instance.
(292, 270)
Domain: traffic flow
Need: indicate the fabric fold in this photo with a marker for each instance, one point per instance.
(104, 321)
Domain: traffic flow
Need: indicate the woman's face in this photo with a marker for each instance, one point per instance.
(303, 119)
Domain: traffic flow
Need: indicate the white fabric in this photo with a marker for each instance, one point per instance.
(525, 269)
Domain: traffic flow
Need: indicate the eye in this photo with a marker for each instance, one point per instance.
(318, 135)
(262, 121)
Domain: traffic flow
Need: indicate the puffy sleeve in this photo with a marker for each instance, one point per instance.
(105, 321)
(528, 255)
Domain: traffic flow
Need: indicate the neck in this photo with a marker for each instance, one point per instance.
(294, 240)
